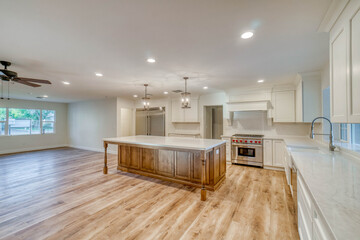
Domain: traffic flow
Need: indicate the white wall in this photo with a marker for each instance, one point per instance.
(9, 144)
(91, 121)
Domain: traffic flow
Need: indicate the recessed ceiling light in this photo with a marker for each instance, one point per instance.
(135, 95)
(205, 87)
(166, 92)
(151, 60)
(261, 81)
(247, 35)
(45, 96)
(66, 83)
(99, 74)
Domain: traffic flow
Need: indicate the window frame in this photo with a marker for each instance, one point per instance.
(348, 133)
(6, 121)
(47, 121)
(6, 129)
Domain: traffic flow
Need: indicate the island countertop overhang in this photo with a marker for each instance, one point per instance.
(171, 142)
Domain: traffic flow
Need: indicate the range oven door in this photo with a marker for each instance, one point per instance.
(247, 154)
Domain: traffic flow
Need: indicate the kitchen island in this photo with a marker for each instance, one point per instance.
(191, 161)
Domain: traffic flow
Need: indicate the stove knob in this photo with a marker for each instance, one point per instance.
(259, 141)
(255, 141)
(241, 141)
(246, 141)
(237, 141)
(250, 141)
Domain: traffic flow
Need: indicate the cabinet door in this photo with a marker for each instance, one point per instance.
(192, 114)
(278, 153)
(268, 152)
(177, 113)
(284, 106)
(338, 78)
(354, 105)
(147, 162)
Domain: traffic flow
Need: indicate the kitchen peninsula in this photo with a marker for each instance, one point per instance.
(191, 161)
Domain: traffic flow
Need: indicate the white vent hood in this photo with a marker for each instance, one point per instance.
(263, 105)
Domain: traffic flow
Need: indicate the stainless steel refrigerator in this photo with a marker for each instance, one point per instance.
(150, 122)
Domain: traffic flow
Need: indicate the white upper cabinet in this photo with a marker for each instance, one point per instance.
(177, 113)
(354, 100)
(345, 65)
(181, 115)
(338, 77)
(308, 97)
(284, 106)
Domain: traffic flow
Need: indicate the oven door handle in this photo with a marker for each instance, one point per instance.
(247, 146)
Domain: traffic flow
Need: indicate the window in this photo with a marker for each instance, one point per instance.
(344, 132)
(48, 121)
(2, 121)
(24, 121)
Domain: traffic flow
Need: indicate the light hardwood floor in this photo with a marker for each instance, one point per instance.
(63, 194)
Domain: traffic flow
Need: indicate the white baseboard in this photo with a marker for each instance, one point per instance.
(31, 149)
(274, 168)
(93, 149)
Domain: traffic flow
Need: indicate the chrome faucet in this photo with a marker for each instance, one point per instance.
(331, 136)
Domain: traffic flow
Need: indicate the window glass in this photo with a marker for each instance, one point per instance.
(48, 115)
(355, 132)
(48, 118)
(343, 132)
(24, 121)
(2, 120)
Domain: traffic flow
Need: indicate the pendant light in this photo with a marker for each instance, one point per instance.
(146, 99)
(185, 96)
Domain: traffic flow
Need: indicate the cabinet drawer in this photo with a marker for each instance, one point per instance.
(302, 190)
(304, 231)
(305, 211)
(320, 229)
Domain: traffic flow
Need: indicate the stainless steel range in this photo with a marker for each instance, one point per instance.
(247, 149)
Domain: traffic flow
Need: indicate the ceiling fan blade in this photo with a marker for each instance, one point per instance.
(27, 83)
(34, 80)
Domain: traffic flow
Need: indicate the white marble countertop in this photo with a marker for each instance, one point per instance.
(173, 142)
(334, 181)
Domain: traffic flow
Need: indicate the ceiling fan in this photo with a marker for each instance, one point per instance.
(11, 76)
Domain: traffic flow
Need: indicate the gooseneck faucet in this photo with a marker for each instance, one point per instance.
(331, 136)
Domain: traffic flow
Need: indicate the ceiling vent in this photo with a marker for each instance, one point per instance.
(177, 91)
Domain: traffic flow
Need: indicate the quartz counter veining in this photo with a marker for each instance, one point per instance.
(191, 161)
(334, 182)
(174, 142)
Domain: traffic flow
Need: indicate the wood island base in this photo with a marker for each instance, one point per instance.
(205, 169)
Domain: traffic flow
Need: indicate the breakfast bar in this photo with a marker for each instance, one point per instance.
(190, 161)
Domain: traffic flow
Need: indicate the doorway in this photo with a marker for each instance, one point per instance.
(213, 122)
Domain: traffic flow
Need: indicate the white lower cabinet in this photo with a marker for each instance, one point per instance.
(311, 224)
(274, 153)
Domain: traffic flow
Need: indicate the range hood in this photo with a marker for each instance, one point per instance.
(263, 105)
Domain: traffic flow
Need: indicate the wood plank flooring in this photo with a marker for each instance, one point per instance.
(62, 194)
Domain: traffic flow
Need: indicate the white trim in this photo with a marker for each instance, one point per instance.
(274, 168)
(19, 150)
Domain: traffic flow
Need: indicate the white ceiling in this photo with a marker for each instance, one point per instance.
(70, 40)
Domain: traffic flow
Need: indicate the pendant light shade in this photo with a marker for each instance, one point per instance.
(146, 99)
(185, 96)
